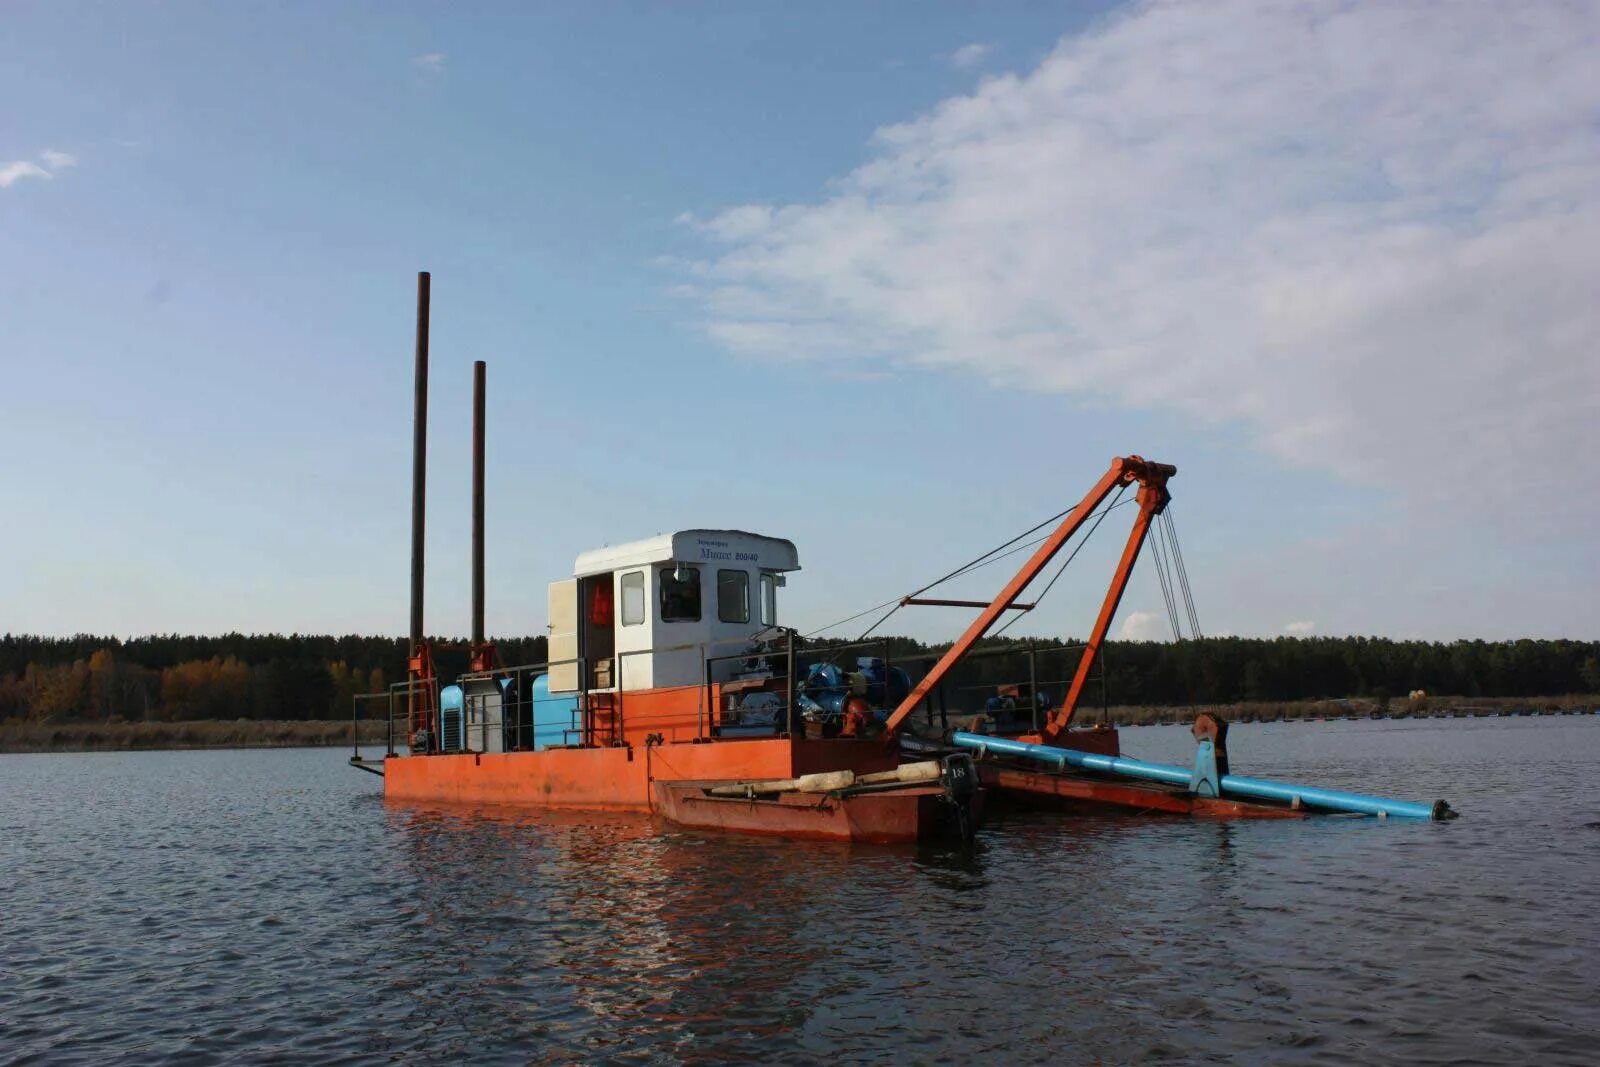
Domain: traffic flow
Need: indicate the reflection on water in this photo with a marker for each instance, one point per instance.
(263, 905)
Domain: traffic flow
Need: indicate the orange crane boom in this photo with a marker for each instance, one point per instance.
(1152, 499)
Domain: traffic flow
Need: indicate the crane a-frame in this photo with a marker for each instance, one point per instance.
(1152, 499)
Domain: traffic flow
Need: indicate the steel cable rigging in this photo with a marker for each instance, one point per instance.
(994, 555)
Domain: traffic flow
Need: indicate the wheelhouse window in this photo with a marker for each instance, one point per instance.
(680, 597)
(633, 598)
(769, 599)
(733, 596)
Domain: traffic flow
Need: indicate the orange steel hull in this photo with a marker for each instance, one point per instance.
(1082, 791)
(615, 778)
(879, 818)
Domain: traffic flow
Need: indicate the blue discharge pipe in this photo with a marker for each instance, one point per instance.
(1233, 785)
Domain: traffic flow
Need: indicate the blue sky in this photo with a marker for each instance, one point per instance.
(895, 281)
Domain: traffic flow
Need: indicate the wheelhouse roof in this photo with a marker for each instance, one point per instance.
(692, 547)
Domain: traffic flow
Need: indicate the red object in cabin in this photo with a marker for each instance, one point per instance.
(600, 604)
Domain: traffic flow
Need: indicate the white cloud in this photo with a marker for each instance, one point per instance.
(14, 172)
(1301, 628)
(969, 55)
(1144, 626)
(1369, 233)
(429, 62)
(11, 173)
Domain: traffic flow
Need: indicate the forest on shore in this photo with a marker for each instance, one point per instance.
(174, 678)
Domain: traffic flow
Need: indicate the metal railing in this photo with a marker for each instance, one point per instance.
(509, 717)
(937, 702)
(397, 710)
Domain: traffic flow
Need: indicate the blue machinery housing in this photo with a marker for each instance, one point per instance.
(554, 718)
(1204, 780)
(452, 720)
(827, 686)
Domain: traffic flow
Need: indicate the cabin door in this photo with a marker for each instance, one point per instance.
(597, 602)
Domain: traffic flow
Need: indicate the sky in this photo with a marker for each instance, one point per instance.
(895, 281)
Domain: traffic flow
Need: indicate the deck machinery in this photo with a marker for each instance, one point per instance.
(672, 687)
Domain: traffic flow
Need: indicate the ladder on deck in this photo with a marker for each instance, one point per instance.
(603, 723)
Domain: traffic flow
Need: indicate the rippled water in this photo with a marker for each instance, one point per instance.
(252, 906)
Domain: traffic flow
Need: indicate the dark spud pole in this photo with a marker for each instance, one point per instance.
(419, 460)
(419, 485)
(479, 375)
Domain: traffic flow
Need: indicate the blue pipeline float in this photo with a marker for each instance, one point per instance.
(1231, 785)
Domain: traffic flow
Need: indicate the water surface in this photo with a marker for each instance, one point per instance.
(267, 905)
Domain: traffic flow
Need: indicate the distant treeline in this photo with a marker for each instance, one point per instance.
(1231, 670)
(176, 678)
(173, 678)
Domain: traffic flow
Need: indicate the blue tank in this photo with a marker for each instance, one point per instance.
(886, 686)
(553, 715)
(452, 719)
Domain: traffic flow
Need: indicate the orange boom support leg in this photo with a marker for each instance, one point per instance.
(1152, 499)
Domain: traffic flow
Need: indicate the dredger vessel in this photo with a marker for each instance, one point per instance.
(672, 687)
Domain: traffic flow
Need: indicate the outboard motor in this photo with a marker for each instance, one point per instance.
(960, 780)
